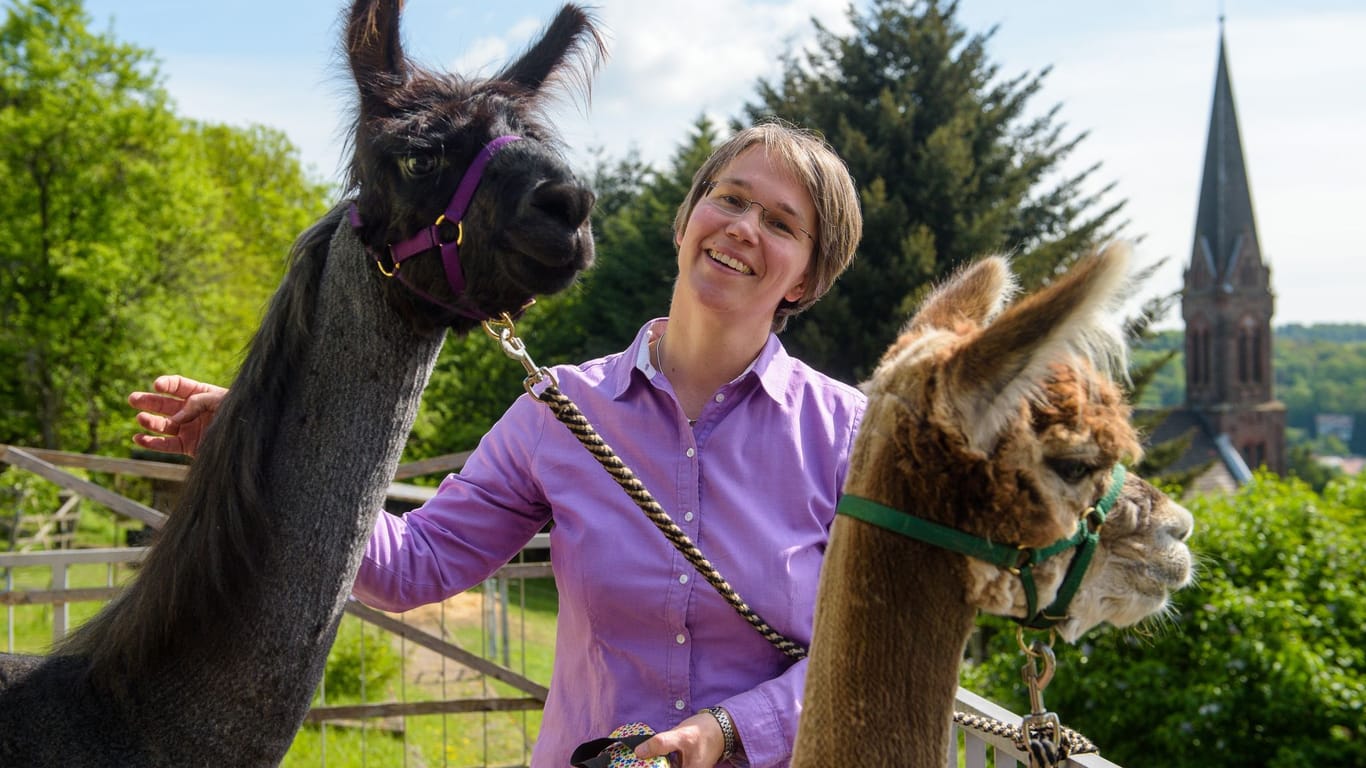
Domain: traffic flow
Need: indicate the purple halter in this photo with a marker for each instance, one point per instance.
(430, 237)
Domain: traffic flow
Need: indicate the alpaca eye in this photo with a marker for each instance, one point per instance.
(1070, 470)
(418, 165)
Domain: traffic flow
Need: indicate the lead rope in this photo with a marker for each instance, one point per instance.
(1065, 741)
(569, 414)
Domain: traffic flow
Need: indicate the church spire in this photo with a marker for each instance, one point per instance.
(1227, 301)
(1225, 230)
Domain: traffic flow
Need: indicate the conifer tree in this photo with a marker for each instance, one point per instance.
(951, 163)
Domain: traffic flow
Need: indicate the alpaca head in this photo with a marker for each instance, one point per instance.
(526, 229)
(1001, 420)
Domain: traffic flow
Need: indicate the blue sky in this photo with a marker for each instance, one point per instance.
(1137, 76)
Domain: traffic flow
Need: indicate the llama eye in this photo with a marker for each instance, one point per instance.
(415, 166)
(1070, 470)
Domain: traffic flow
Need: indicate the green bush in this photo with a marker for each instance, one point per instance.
(1261, 663)
(360, 661)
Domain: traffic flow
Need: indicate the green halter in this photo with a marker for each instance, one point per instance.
(1018, 560)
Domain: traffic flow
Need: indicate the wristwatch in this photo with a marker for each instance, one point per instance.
(727, 729)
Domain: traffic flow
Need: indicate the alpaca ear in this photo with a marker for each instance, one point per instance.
(972, 296)
(975, 294)
(375, 52)
(571, 34)
(1008, 362)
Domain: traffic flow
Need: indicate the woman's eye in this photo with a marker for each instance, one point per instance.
(418, 165)
(1070, 470)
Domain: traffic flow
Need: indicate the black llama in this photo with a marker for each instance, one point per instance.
(211, 655)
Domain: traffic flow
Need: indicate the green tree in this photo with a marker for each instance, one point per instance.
(949, 162)
(132, 242)
(84, 125)
(1261, 662)
(258, 199)
(637, 258)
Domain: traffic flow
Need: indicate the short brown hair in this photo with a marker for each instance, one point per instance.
(808, 157)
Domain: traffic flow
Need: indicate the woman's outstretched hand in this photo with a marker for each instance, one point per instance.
(176, 414)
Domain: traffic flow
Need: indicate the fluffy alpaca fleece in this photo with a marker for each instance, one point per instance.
(1000, 420)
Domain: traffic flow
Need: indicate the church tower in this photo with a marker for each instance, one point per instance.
(1227, 302)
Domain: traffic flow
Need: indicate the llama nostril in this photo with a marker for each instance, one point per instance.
(564, 201)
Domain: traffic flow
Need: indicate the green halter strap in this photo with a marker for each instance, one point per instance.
(1018, 560)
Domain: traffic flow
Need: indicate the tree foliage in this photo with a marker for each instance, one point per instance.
(950, 162)
(131, 241)
(1262, 662)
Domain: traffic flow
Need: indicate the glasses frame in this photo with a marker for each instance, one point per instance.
(709, 186)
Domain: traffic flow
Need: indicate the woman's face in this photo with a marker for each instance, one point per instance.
(743, 264)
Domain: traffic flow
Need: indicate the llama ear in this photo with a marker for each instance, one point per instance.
(975, 294)
(571, 34)
(1075, 317)
(375, 51)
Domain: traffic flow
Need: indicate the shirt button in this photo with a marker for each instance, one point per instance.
(691, 453)
(680, 639)
(679, 705)
(688, 517)
(720, 397)
(683, 579)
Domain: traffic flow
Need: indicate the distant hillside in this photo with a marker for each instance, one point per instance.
(1318, 368)
(1326, 332)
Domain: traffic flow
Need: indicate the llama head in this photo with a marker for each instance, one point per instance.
(526, 230)
(1001, 420)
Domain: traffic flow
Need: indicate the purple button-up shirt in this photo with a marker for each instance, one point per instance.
(641, 636)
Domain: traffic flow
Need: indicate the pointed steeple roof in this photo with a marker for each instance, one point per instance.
(1224, 221)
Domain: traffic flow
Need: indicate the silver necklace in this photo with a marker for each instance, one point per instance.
(659, 364)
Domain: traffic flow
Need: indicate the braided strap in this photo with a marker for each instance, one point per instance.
(1071, 742)
(569, 414)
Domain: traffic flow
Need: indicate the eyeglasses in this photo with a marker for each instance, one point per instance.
(728, 200)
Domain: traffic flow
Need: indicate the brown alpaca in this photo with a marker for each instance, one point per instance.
(998, 421)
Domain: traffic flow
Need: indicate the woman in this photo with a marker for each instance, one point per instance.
(744, 446)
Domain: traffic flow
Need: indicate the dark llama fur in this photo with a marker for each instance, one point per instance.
(211, 655)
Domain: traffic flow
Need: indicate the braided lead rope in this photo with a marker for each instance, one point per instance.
(1073, 743)
(568, 413)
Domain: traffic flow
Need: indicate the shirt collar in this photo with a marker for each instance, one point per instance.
(773, 366)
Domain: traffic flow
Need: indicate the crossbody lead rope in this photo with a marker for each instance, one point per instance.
(569, 414)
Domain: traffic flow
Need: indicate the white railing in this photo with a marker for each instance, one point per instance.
(59, 595)
(977, 746)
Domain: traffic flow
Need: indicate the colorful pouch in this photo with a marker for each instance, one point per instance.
(617, 750)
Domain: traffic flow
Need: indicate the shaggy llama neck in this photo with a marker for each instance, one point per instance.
(230, 680)
(344, 425)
